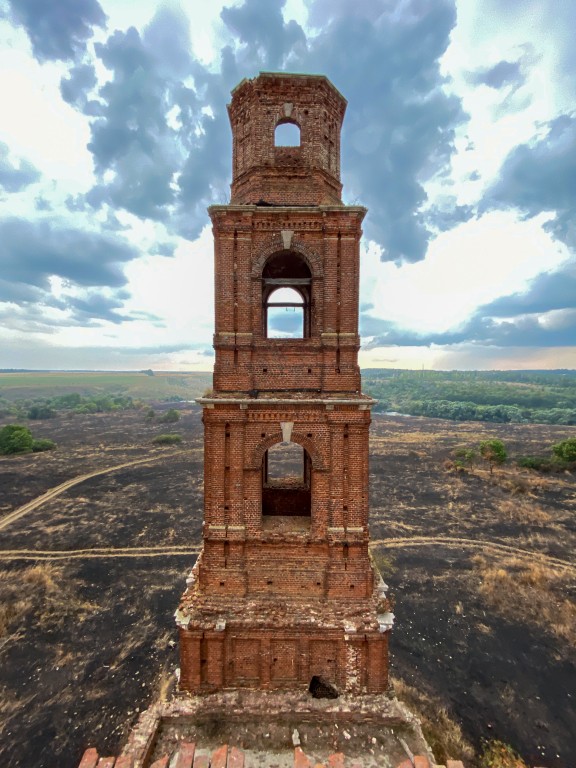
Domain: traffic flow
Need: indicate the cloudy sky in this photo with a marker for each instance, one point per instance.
(460, 139)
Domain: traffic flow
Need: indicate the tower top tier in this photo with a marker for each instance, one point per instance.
(286, 140)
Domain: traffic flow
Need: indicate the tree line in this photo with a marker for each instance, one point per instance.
(494, 396)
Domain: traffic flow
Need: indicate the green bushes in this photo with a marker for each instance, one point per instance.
(41, 412)
(566, 450)
(170, 439)
(15, 438)
(539, 463)
(170, 417)
(41, 444)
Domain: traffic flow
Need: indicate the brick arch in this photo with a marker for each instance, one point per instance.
(275, 244)
(318, 463)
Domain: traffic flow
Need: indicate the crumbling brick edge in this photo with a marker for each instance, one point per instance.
(242, 705)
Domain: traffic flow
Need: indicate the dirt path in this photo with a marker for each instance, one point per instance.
(79, 554)
(485, 546)
(58, 489)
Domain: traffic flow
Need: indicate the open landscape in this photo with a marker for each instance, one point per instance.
(97, 537)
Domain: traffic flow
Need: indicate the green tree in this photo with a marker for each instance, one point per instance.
(493, 452)
(15, 439)
(170, 417)
(566, 450)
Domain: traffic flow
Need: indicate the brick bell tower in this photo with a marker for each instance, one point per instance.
(284, 588)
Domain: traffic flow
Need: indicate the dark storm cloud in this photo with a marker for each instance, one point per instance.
(96, 306)
(556, 22)
(132, 139)
(502, 74)
(31, 252)
(259, 25)
(541, 177)
(58, 29)
(205, 175)
(549, 291)
(15, 176)
(522, 331)
(42, 204)
(75, 88)
(19, 293)
(161, 141)
(445, 214)
(168, 38)
(160, 147)
(399, 128)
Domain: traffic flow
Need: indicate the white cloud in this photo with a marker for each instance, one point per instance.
(470, 265)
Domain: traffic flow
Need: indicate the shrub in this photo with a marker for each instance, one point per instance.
(15, 439)
(465, 457)
(41, 444)
(167, 439)
(41, 412)
(534, 462)
(170, 417)
(566, 450)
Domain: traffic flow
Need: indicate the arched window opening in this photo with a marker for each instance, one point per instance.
(286, 481)
(286, 297)
(287, 135)
(285, 314)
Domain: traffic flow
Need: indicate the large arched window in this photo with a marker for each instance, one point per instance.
(286, 481)
(286, 297)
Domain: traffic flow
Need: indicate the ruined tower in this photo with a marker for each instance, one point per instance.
(284, 588)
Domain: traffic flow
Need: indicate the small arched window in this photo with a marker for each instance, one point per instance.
(287, 135)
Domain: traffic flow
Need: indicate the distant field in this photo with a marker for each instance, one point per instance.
(16, 386)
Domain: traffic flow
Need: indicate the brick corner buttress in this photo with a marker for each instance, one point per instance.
(284, 588)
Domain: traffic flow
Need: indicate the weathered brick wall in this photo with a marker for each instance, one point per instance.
(328, 240)
(304, 175)
(240, 657)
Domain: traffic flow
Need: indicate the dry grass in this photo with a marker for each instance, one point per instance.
(521, 481)
(41, 590)
(532, 593)
(524, 510)
(442, 733)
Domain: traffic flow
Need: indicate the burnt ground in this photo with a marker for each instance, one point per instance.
(486, 633)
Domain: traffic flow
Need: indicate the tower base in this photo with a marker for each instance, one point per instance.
(267, 642)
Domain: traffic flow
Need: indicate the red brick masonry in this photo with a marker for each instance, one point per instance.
(231, 757)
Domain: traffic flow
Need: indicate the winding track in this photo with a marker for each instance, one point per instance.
(482, 544)
(86, 554)
(58, 489)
